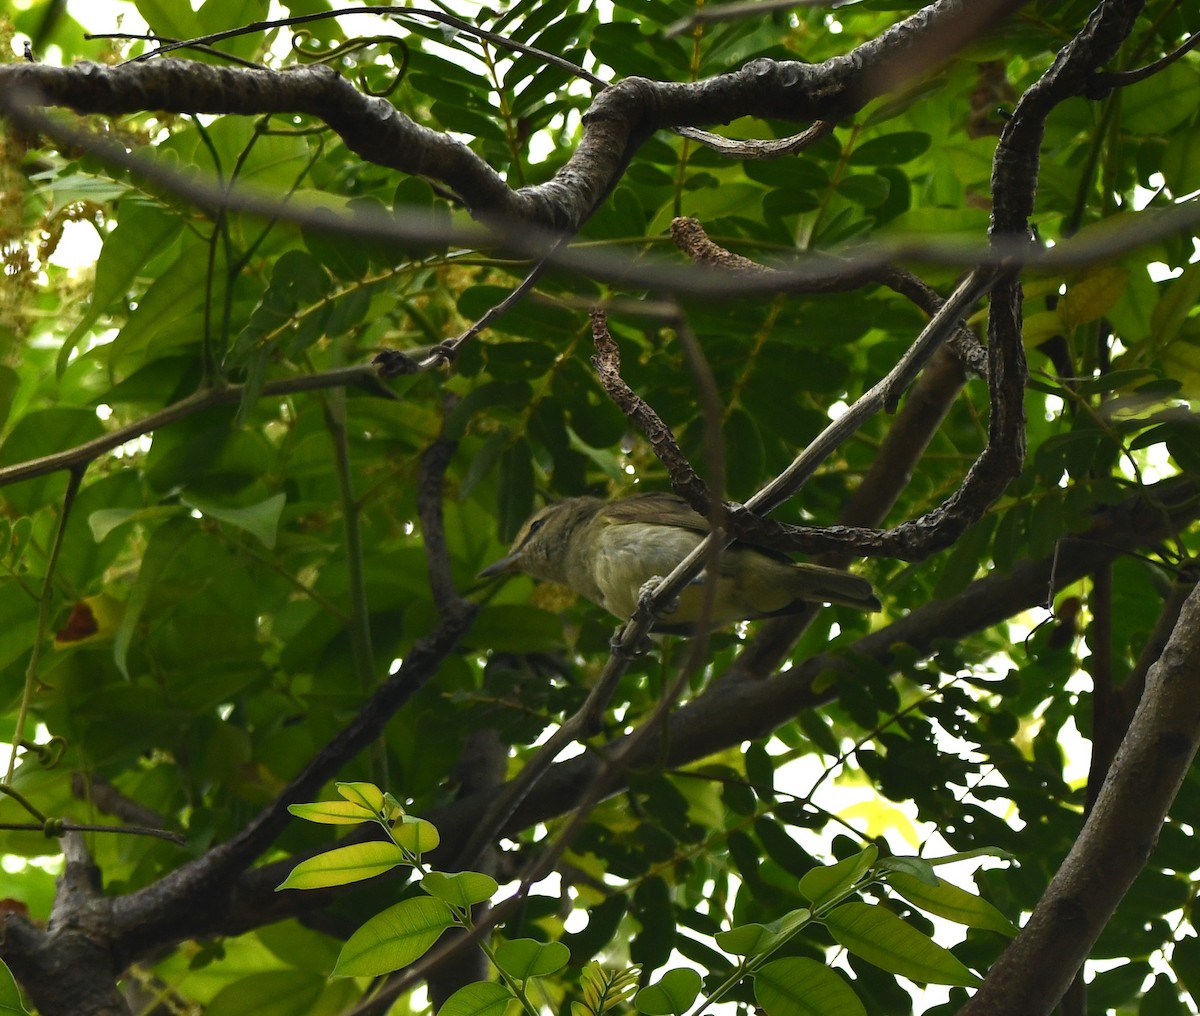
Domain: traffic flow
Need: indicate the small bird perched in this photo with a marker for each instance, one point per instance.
(608, 551)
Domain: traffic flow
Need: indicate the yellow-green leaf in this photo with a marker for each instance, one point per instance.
(483, 998)
(460, 889)
(951, 902)
(757, 939)
(393, 939)
(415, 835)
(672, 995)
(331, 812)
(342, 865)
(796, 986)
(880, 937)
(823, 884)
(523, 958)
(366, 795)
(1092, 294)
(1037, 328)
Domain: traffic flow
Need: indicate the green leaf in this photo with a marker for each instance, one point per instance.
(1175, 306)
(824, 884)
(1162, 999)
(10, 994)
(343, 865)
(604, 989)
(864, 189)
(107, 520)
(880, 937)
(44, 432)
(515, 628)
(967, 855)
(963, 562)
(143, 230)
(173, 20)
(672, 995)
(271, 993)
(951, 902)
(483, 998)
(760, 939)
(260, 520)
(516, 489)
(797, 986)
(167, 541)
(891, 149)
(919, 868)
(603, 921)
(1093, 294)
(654, 909)
(168, 313)
(460, 889)
(1185, 962)
(393, 939)
(10, 381)
(1163, 101)
(523, 958)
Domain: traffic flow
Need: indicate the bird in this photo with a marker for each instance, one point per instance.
(608, 552)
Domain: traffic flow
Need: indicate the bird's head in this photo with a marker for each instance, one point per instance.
(546, 543)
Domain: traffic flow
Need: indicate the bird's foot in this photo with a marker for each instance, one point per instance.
(639, 648)
(646, 594)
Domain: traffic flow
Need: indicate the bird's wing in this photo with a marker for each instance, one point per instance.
(663, 508)
(654, 508)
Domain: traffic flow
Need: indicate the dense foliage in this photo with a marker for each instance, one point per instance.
(203, 601)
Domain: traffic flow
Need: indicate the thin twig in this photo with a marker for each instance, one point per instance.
(361, 376)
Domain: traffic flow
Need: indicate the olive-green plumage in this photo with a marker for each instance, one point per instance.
(608, 550)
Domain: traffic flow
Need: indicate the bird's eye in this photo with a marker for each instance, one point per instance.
(535, 525)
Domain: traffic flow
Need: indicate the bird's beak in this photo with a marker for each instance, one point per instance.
(506, 564)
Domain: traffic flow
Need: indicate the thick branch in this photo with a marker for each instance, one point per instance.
(621, 118)
(1116, 840)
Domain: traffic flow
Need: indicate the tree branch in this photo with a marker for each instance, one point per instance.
(1116, 841)
(620, 119)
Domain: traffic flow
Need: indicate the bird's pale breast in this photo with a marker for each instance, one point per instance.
(630, 554)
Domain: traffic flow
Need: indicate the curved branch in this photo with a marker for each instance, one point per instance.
(620, 119)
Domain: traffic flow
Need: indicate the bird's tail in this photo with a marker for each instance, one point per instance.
(815, 582)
